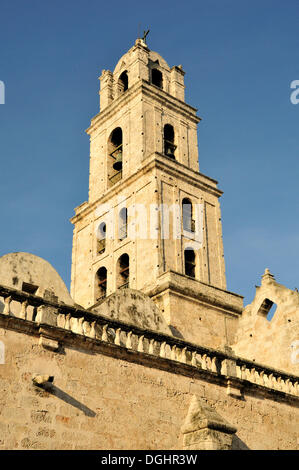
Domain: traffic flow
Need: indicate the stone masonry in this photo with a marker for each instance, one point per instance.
(149, 350)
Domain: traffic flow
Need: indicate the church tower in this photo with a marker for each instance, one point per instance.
(152, 221)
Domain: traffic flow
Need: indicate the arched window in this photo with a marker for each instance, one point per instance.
(189, 258)
(101, 238)
(267, 309)
(123, 271)
(157, 78)
(169, 147)
(123, 82)
(188, 220)
(101, 283)
(115, 154)
(123, 224)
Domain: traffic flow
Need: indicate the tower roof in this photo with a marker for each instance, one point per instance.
(126, 60)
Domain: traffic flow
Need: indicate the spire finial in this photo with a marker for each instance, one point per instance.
(267, 276)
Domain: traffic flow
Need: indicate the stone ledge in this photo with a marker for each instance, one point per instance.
(61, 338)
(188, 287)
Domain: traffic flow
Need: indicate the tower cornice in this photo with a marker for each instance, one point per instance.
(142, 86)
(158, 161)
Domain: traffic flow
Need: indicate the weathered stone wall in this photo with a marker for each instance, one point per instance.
(276, 341)
(196, 311)
(123, 400)
(157, 183)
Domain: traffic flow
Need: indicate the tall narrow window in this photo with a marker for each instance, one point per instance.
(101, 283)
(188, 220)
(123, 271)
(123, 224)
(169, 147)
(189, 257)
(115, 156)
(123, 82)
(101, 238)
(157, 78)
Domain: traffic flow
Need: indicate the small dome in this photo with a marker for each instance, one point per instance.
(28, 272)
(126, 60)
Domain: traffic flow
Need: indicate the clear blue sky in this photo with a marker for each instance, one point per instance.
(240, 57)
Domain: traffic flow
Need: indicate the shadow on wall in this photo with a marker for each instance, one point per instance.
(238, 444)
(57, 392)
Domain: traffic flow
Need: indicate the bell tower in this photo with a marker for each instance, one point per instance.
(152, 221)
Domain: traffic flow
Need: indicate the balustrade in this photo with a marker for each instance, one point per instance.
(85, 323)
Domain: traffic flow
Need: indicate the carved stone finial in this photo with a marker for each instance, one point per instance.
(267, 276)
(140, 41)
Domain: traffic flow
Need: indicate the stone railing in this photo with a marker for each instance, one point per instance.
(48, 311)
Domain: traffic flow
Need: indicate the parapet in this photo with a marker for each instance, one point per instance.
(267, 336)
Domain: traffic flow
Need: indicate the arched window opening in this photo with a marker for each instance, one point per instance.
(115, 151)
(189, 257)
(157, 78)
(101, 238)
(123, 271)
(123, 224)
(123, 82)
(267, 309)
(101, 283)
(188, 220)
(169, 147)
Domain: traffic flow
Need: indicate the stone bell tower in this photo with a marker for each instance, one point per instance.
(152, 221)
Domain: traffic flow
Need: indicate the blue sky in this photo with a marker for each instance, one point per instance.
(239, 56)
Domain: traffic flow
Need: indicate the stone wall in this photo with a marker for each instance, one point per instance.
(272, 341)
(107, 397)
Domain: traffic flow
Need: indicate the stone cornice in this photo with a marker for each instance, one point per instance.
(84, 329)
(56, 339)
(201, 292)
(198, 179)
(151, 91)
(155, 160)
(174, 103)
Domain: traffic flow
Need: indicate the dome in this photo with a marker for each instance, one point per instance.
(126, 60)
(32, 274)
